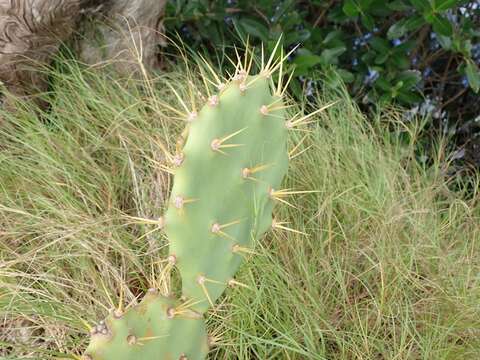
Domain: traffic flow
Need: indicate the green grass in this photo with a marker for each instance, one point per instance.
(389, 268)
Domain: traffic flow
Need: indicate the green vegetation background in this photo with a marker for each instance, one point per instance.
(389, 268)
(420, 54)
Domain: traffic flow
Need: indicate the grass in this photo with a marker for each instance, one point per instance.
(389, 268)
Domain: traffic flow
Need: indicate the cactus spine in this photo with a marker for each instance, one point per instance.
(226, 182)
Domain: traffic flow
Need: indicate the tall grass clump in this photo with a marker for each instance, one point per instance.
(383, 261)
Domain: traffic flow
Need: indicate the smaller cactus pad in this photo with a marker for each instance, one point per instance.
(157, 328)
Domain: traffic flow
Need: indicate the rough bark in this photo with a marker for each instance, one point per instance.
(32, 30)
(128, 32)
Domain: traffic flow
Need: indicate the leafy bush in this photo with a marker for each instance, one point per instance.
(423, 54)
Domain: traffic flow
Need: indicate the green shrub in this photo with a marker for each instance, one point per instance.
(357, 37)
(423, 54)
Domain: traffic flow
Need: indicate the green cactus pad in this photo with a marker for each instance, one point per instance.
(157, 328)
(235, 154)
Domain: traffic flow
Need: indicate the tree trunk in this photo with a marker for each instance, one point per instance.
(32, 30)
(128, 32)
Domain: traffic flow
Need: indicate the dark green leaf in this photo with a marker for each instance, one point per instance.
(421, 5)
(254, 27)
(442, 26)
(350, 8)
(295, 37)
(365, 4)
(473, 75)
(405, 47)
(397, 87)
(462, 46)
(409, 78)
(385, 98)
(332, 36)
(368, 21)
(337, 15)
(379, 44)
(346, 76)
(290, 22)
(381, 58)
(445, 42)
(414, 22)
(368, 57)
(305, 59)
(409, 97)
(397, 30)
(379, 9)
(383, 84)
(398, 5)
(400, 62)
(330, 56)
(442, 5)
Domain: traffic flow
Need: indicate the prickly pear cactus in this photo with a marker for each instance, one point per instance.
(226, 182)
